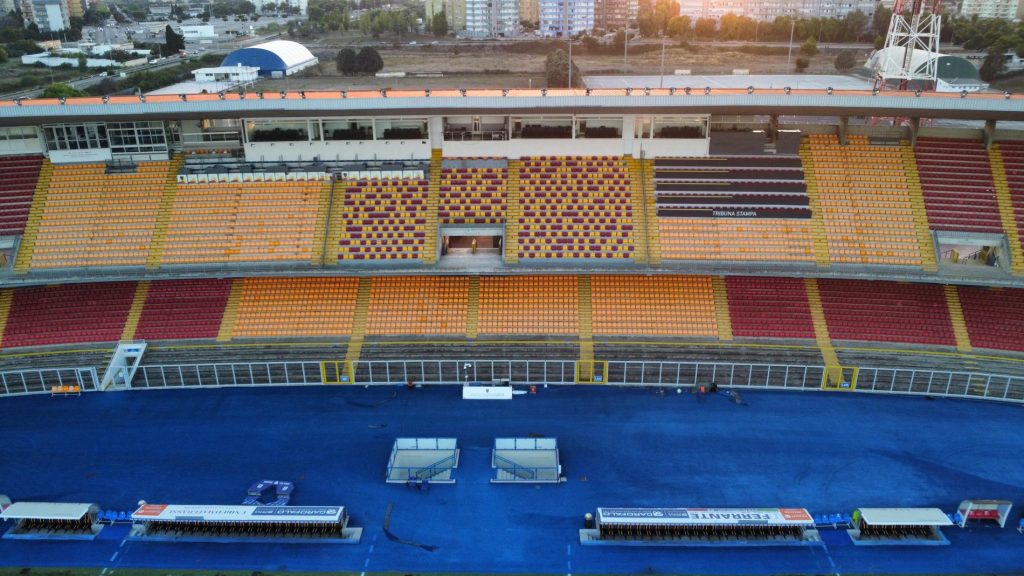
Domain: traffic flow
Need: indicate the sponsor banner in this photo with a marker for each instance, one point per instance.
(717, 516)
(207, 513)
(751, 212)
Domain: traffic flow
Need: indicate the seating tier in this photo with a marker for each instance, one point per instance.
(92, 218)
(242, 222)
(886, 312)
(68, 314)
(653, 305)
(473, 195)
(418, 305)
(296, 307)
(1013, 164)
(769, 307)
(529, 305)
(183, 309)
(383, 219)
(736, 239)
(575, 207)
(994, 316)
(864, 201)
(956, 180)
(20, 175)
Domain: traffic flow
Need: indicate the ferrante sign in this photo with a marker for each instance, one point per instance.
(723, 516)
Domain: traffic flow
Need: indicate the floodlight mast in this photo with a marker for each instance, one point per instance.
(915, 25)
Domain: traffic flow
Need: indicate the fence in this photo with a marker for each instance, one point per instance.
(18, 382)
(533, 372)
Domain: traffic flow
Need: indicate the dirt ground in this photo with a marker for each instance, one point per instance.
(491, 68)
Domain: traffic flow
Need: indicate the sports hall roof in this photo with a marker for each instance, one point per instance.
(280, 55)
(978, 106)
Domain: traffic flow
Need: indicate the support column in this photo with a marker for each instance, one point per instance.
(915, 127)
(844, 123)
(989, 134)
(773, 128)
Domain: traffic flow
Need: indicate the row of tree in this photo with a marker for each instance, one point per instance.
(352, 63)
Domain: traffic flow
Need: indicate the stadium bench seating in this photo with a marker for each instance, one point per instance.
(242, 222)
(183, 309)
(575, 207)
(296, 307)
(382, 219)
(764, 239)
(655, 305)
(68, 314)
(886, 312)
(418, 305)
(865, 206)
(529, 305)
(92, 218)
(473, 195)
(769, 307)
(994, 316)
(956, 179)
(18, 186)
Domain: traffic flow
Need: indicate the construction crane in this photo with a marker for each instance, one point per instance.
(915, 25)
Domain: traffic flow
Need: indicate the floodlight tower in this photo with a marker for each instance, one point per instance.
(915, 25)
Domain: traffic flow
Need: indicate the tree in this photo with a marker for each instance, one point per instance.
(679, 26)
(845, 61)
(556, 70)
(173, 42)
(854, 25)
(809, 47)
(991, 66)
(802, 64)
(346, 61)
(439, 24)
(368, 61)
(879, 42)
(61, 90)
(880, 20)
(705, 28)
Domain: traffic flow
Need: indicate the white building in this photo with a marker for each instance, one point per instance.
(562, 18)
(1005, 9)
(48, 15)
(199, 33)
(233, 75)
(491, 18)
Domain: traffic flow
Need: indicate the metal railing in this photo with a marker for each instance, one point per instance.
(20, 382)
(517, 471)
(947, 383)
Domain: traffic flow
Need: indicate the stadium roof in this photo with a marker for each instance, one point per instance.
(277, 55)
(977, 106)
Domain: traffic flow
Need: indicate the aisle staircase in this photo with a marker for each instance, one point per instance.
(429, 250)
(821, 256)
(1006, 215)
(641, 248)
(131, 323)
(821, 335)
(511, 244)
(6, 298)
(924, 233)
(163, 219)
(585, 372)
(333, 227)
(355, 341)
(35, 215)
(227, 323)
(323, 223)
(722, 315)
(956, 317)
(473, 307)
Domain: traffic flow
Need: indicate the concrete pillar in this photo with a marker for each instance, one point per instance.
(628, 132)
(989, 135)
(844, 122)
(772, 134)
(915, 127)
(435, 125)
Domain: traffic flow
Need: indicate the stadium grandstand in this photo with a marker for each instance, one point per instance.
(683, 238)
